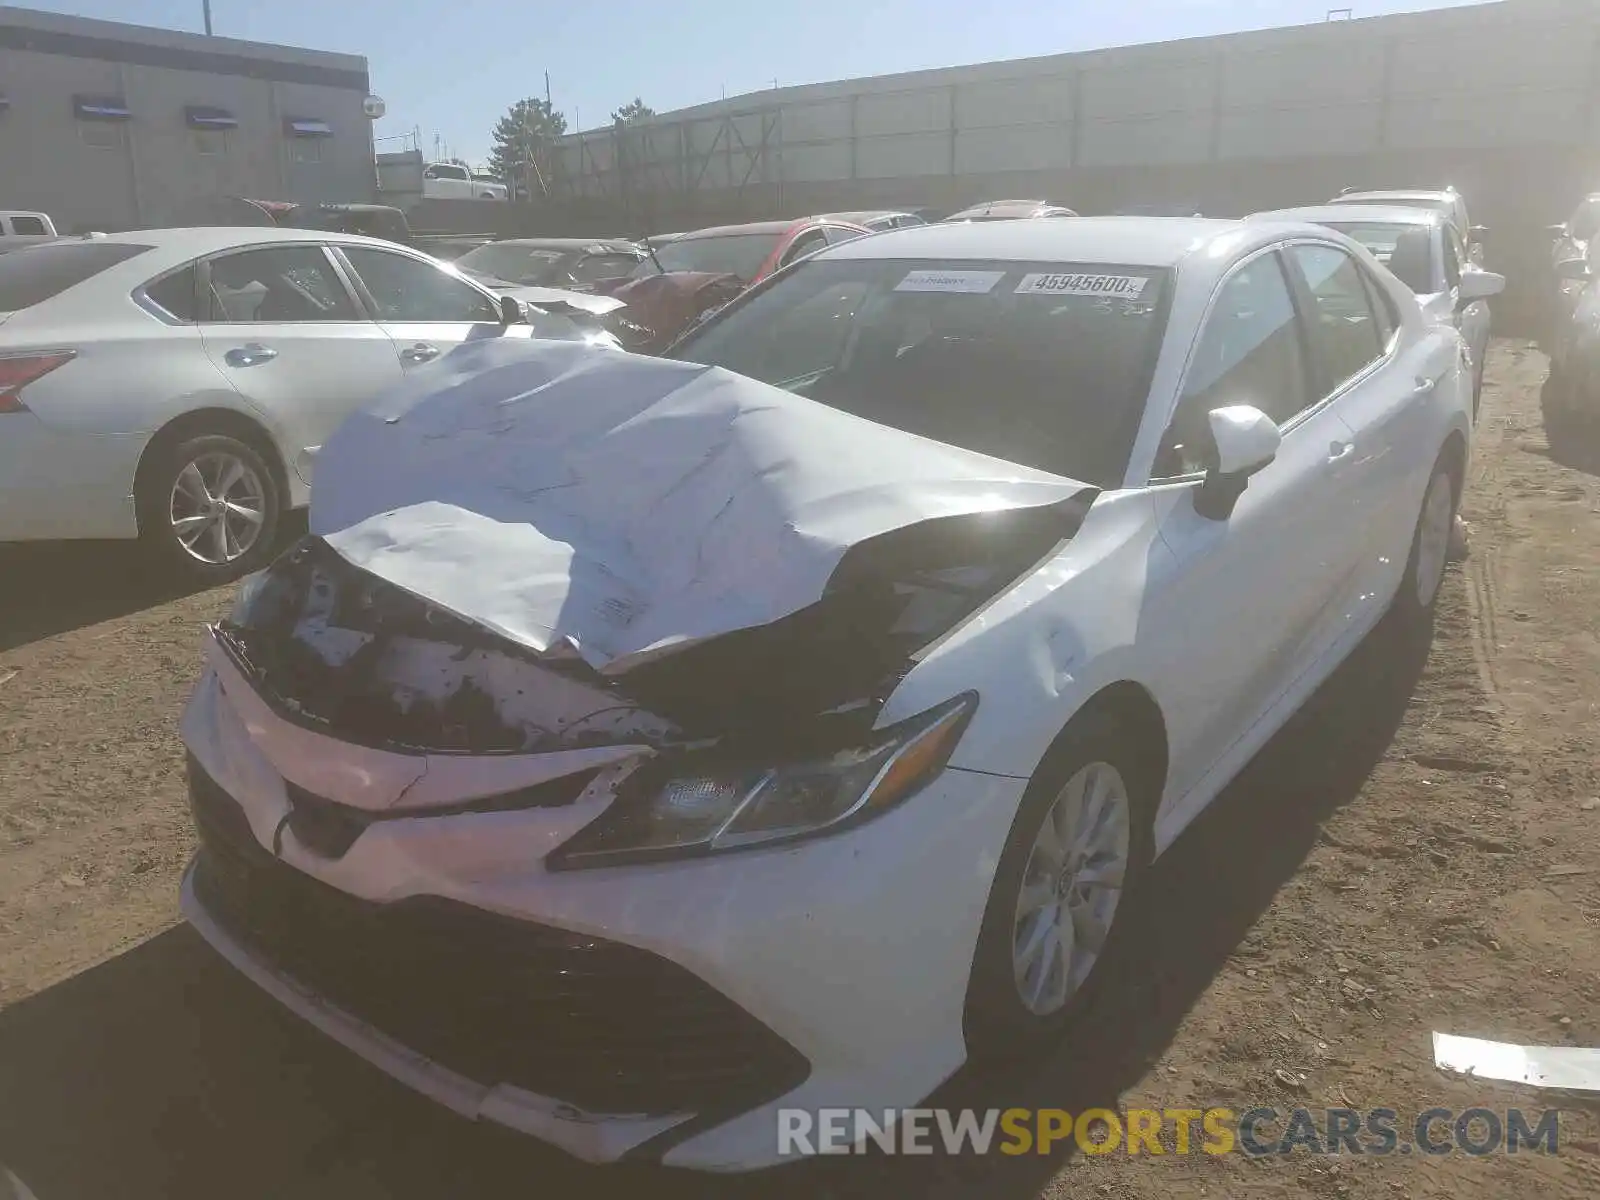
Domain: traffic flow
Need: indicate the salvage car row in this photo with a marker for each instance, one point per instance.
(637, 746)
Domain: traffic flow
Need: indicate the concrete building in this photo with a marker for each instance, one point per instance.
(108, 125)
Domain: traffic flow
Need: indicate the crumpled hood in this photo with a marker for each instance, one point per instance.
(627, 506)
(556, 297)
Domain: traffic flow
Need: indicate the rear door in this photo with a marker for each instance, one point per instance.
(424, 308)
(284, 328)
(1377, 380)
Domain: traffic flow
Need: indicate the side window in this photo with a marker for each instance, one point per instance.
(838, 233)
(30, 226)
(1249, 353)
(177, 294)
(1453, 255)
(807, 243)
(409, 289)
(1340, 329)
(431, 173)
(293, 283)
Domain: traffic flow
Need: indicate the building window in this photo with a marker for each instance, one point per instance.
(306, 150)
(102, 135)
(210, 141)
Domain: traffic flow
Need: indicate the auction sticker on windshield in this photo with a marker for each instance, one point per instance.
(970, 282)
(1122, 287)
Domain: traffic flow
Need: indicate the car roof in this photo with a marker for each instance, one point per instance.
(752, 227)
(995, 207)
(211, 239)
(1381, 195)
(1131, 241)
(866, 214)
(566, 243)
(1318, 214)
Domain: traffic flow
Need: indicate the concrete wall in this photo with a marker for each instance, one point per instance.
(1515, 74)
(157, 166)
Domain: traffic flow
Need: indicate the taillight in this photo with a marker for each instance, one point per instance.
(19, 371)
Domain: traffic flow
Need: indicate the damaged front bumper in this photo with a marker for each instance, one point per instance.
(826, 973)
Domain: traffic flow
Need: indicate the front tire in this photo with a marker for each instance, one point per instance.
(1079, 848)
(209, 507)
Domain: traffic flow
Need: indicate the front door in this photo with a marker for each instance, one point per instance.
(1251, 599)
(426, 309)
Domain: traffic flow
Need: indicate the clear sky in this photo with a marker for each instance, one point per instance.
(452, 67)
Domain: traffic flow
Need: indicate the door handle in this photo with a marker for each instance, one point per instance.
(1423, 385)
(1339, 451)
(419, 353)
(249, 355)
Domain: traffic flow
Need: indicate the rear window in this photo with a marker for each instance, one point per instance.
(37, 273)
(27, 226)
(1044, 364)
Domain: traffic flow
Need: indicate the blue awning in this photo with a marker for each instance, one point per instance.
(205, 116)
(101, 108)
(306, 127)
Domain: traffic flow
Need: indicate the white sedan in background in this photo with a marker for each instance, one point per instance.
(176, 384)
(637, 747)
(1424, 251)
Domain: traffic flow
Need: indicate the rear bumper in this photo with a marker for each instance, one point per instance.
(57, 485)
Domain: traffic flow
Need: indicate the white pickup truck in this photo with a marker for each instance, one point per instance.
(18, 229)
(452, 181)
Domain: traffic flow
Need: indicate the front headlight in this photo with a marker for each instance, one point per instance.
(673, 808)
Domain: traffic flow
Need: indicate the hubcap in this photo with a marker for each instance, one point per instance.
(1433, 538)
(1070, 888)
(217, 508)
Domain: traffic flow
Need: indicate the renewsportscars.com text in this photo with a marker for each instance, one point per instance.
(1178, 1131)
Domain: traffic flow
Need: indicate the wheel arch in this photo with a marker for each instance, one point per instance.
(202, 421)
(1129, 706)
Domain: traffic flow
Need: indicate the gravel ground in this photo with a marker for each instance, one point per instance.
(1419, 850)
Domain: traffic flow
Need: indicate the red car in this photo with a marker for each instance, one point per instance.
(681, 280)
(752, 252)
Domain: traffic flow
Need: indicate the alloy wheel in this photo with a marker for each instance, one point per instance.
(1071, 887)
(217, 508)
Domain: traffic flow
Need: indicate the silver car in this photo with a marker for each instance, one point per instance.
(175, 385)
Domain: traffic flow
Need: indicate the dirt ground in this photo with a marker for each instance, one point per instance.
(1419, 850)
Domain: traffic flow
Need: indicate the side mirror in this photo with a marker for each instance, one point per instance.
(1479, 285)
(1557, 230)
(1572, 268)
(1477, 232)
(1245, 440)
(512, 311)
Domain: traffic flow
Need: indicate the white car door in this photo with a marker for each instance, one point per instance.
(425, 308)
(1254, 597)
(287, 333)
(1379, 377)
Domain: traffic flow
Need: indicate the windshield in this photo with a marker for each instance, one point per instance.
(1043, 364)
(529, 266)
(739, 254)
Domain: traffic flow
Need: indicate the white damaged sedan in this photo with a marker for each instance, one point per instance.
(636, 747)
